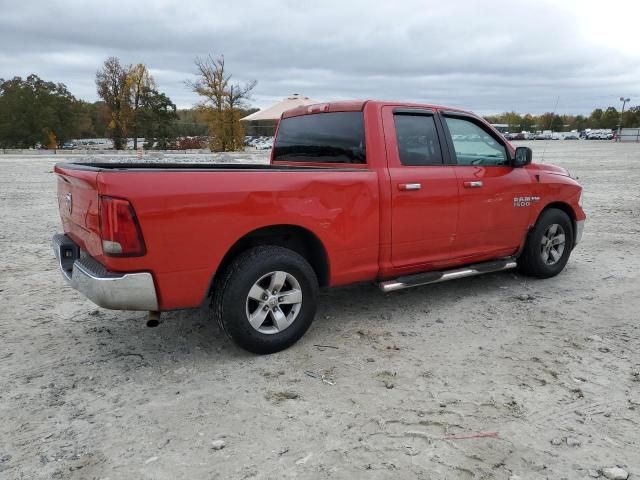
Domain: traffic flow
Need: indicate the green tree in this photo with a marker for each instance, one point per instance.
(631, 118)
(545, 121)
(577, 123)
(557, 124)
(527, 123)
(610, 118)
(155, 119)
(513, 120)
(33, 111)
(191, 123)
(595, 119)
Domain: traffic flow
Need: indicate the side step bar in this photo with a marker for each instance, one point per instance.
(443, 276)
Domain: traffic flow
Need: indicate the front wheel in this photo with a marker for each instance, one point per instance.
(266, 299)
(548, 246)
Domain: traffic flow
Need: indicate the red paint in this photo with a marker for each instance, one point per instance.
(369, 227)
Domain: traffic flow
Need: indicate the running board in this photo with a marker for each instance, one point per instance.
(443, 276)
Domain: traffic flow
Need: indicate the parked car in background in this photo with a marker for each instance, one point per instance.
(601, 134)
(68, 146)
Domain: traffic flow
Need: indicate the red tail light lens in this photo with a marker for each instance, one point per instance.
(119, 229)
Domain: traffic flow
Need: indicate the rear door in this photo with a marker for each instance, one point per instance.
(424, 190)
(493, 195)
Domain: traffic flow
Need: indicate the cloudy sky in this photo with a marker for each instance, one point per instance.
(488, 56)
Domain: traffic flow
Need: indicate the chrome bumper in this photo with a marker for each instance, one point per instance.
(579, 229)
(116, 291)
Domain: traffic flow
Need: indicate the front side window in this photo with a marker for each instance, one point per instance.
(417, 140)
(335, 137)
(473, 145)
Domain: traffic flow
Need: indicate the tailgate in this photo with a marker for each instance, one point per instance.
(78, 205)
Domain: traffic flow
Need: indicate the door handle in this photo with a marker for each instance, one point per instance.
(474, 184)
(409, 186)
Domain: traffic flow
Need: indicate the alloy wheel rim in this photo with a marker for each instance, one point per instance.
(274, 302)
(553, 244)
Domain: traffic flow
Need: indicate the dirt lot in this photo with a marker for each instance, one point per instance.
(552, 367)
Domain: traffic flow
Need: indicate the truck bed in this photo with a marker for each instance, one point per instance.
(179, 166)
(190, 219)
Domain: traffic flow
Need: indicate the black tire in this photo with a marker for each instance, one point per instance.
(532, 260)
(231, 304)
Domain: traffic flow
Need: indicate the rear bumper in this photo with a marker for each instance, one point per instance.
(116, 291)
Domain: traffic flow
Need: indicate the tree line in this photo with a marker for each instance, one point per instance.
(608, 118)
(38, 113)
(35, 112)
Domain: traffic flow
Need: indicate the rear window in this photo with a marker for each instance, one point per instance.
(336, 137)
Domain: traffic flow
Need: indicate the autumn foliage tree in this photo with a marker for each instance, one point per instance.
(222, 103)
(112, 87)
(135, 105)
(139, 83)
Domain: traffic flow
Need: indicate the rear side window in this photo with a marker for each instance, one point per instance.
(336, 137)
(417, 140)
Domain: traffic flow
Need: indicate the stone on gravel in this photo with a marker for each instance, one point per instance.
(615, 473)
(573, 442)
(218, 444)
(556, 441)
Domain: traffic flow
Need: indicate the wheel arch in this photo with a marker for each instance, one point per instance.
(294, 237)
(566, 208)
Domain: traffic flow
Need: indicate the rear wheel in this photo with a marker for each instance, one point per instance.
(266, 299)
(548, 246)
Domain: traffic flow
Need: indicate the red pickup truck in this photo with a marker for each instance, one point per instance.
(397, 193)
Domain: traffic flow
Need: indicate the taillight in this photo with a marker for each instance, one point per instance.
(119, 229)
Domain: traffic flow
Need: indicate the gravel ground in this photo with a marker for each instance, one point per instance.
(543, 375)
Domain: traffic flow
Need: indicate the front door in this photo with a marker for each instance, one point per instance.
(424, 190)
(494, 196)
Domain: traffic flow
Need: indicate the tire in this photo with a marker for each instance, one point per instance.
(542, 256)
(246, 291)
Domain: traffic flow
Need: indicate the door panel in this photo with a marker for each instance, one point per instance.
(424, 191)
(423, 221)
(492, 221)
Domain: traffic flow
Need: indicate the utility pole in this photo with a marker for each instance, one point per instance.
(624, 102)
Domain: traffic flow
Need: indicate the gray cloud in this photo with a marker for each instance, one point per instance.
(488, 56)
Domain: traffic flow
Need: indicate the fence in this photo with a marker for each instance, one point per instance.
(630, 135)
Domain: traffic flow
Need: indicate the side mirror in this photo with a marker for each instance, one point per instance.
(523, 156)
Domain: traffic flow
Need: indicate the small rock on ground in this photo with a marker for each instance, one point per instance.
(573, 442)
(218, 444)
(615, 473)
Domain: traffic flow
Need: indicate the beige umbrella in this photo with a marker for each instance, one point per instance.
(275, 111)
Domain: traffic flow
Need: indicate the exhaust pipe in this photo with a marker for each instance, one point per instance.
(446, 275)
(153, 319)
